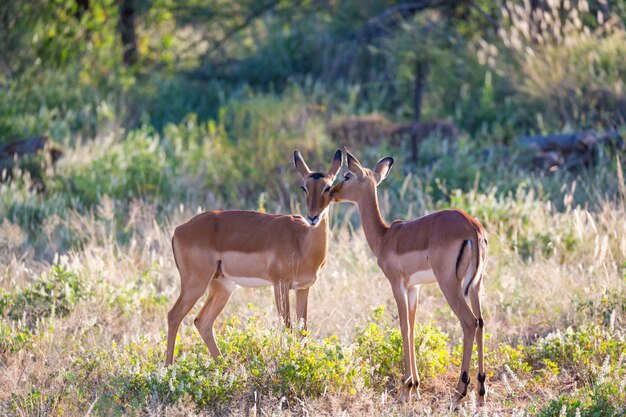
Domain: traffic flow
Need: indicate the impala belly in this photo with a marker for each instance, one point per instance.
(417, 268)
(421, 277)
(246, 269)
(249, 282)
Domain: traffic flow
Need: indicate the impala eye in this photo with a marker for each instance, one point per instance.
(303, 189)
(346, 177)
(327, 189)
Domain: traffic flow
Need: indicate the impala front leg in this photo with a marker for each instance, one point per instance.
(281, 293)
(302, 300)
(412, 298)
(399, 293)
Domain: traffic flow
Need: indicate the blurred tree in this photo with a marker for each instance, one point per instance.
(128, 32)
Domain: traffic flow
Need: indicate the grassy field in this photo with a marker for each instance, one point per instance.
(85, 296)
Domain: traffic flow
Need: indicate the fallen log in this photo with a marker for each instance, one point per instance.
(569, 150)
(570, 142)
(12, 153)
(357, 132)
(30, 146)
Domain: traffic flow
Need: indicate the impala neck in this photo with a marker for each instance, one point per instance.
(319, 234)
(373, 224)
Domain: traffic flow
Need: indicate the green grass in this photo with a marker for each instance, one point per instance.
(86, 269)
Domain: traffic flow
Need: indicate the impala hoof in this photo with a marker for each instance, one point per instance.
(455, 405)
(409, 391)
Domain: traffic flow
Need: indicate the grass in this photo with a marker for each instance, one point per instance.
(87, 278)
(84, 299)
(86, 268)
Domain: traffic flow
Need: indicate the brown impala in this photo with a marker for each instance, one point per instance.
(448, 247)
(223, 249)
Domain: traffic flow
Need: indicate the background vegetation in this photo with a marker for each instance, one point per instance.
(165, 108)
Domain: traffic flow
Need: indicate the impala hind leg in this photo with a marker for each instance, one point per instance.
(191, 289)
(453, 293)
(474, 296)
(220, 291)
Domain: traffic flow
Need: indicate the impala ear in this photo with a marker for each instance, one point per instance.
(354, 165)
(335, 166)
(382, 168)
(301, 166)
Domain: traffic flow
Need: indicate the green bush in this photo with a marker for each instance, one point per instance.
(136, 167)
(54, 294)
(253, 358)
(604, 401)
(379, 351)
(194, 374)
(584, 351)
(13, 337)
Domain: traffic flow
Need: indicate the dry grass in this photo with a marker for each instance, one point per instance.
(134, 283)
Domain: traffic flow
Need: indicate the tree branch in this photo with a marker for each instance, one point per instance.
(486, 15)
(247, 21)
(375, 26)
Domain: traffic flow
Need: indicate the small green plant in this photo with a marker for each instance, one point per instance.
(13, 337)
(583, 351)
(380, 351)
(136, 167)
(54, 294)
(603, 401)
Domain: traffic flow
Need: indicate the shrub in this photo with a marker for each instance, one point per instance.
(54, 294)
(379, 350)
(253, 358)
(136, 167)
(604, 400)
(13, 337)
(582, 351)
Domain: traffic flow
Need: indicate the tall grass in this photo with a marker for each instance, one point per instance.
(83, 328)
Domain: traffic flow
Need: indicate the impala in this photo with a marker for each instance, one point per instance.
(223, 249)
(448, 247)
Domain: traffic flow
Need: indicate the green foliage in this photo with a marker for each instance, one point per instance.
(136, 167)
(194, 374)
(13, 337)
(53, 294)
(253, 357)
(514, 357)
(586, 351)
(380, 351)
(288, 363)
(605, 400)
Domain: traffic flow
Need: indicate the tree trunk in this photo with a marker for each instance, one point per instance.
(82, 6)
(127, 31)
(421, 73)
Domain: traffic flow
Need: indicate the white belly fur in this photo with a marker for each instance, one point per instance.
(422, 277)
(250, 282)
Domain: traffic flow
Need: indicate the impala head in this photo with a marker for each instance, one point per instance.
(317, 185)
(359, 180)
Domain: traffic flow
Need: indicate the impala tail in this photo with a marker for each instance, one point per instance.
(473, 266)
